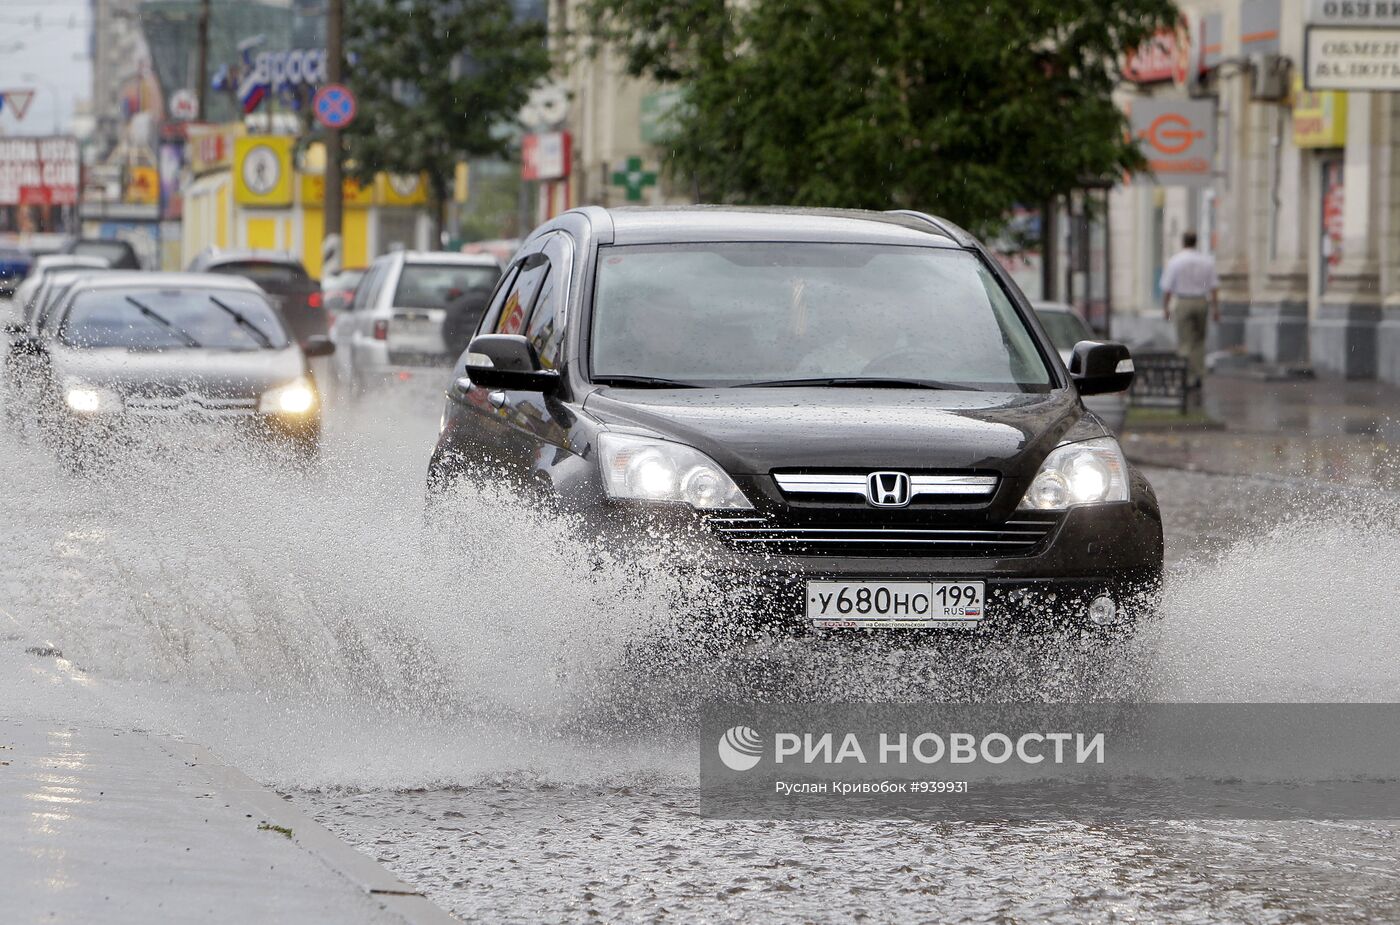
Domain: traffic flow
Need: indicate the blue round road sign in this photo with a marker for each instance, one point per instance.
(334, 105)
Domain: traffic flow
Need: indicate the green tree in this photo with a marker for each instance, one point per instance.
(961, 107)
(436, 81)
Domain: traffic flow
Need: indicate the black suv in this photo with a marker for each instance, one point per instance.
(859, 409)
(282, 277)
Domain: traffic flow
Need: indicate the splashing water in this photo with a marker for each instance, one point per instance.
(312, 626)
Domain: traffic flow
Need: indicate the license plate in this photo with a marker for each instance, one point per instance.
(860, 604)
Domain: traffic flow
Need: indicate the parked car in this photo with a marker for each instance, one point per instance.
(122, 350)
(857, 414)
(404, 313)
(43, 267)
(282, 277)
(120, 255)
(14, 264)
(1066, 330)
(338, 289)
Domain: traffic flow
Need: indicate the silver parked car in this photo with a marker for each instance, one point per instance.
(1066, 329)
(411, 315)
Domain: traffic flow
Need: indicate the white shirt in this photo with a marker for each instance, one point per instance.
(1190, 274)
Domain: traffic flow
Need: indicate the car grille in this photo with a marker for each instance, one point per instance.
(849, 488)
(1021, 535)
(191, 405)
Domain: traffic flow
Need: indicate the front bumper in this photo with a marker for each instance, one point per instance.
(78, 436)
(1112, 550)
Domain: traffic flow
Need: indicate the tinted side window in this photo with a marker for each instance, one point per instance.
(498, 298)
(366, 284)
(522, 294)
(546, 326)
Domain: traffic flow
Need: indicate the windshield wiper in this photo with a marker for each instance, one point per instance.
(646, 382)
(239, 318)
(157, 317)
(858, 382)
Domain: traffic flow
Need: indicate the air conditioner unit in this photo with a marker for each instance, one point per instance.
(1271, 73)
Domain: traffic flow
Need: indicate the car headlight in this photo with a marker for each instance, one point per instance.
(87, 399)
(1088, 472)
(296, 397)
(646, 469)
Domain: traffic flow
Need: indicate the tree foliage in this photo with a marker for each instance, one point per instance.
(962, 107)
(435, 82)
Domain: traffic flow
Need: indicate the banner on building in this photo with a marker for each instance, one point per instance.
(262, 170)
(1350, 58)
(544, 156)
(1177, 136)
(39, 171)
(142, 185)
(210, 147)
(401, 189)
(1319, 117)
(353, 193)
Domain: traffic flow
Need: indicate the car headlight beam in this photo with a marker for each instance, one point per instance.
(647, 469)
(86, 399)
(1088, 472)
(296, 397)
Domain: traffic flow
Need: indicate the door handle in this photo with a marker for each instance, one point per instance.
(497, 399)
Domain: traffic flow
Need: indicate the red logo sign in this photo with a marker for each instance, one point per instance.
(1172, 133)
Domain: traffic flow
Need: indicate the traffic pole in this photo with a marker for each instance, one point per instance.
(335, 54)
(202, 66)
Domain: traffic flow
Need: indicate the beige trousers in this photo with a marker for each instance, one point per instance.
(1191, 317)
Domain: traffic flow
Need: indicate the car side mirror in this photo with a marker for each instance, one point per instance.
(1099, 367)
(318, 345)
(508, 361)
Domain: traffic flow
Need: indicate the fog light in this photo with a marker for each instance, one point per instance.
(1103, 611)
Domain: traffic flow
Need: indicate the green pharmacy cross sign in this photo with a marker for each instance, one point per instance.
(634, 179)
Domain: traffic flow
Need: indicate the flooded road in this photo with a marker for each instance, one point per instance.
(525, 760)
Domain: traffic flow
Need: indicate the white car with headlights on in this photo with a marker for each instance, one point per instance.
(124, 351)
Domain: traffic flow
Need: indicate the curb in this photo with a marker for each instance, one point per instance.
(399, 898)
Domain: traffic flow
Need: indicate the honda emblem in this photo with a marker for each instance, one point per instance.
(887, 489)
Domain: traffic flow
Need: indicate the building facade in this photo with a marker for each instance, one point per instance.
(1298, 199)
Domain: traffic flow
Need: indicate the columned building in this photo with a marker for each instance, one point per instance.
(1302, 208)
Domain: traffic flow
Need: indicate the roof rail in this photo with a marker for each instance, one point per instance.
(942, 224)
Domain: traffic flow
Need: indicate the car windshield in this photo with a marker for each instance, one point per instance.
(111, 251)
(436, 285)
(172, 319)
(772, 313)
(1065, 328)
(344, 280)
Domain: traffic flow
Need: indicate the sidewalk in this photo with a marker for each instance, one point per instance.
(1345, 432)
(111, 825)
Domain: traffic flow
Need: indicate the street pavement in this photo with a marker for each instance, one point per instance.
(118, 825)
(1309, 429)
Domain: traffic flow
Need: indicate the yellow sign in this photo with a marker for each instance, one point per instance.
(1319, 118)
(402, 190)
(142, 185)
(210, 147)
(460, 179)
(262, 170)
(352, 194)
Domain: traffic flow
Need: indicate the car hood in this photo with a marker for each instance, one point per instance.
(754, 431)
(224, 373)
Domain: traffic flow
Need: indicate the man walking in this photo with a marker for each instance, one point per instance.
(1191, 289)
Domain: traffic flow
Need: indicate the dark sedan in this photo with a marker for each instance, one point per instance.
(857, 411)
(281, 276)
(126, 350)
